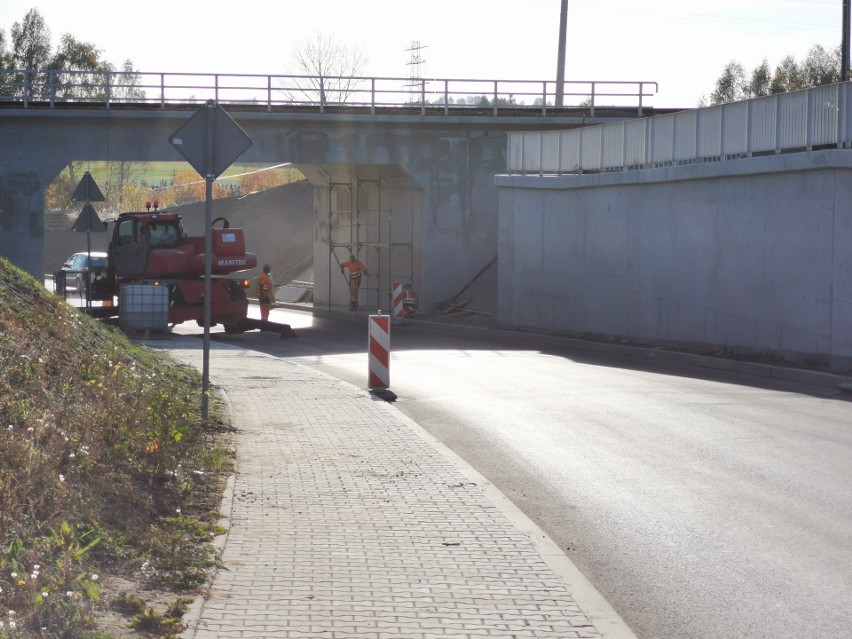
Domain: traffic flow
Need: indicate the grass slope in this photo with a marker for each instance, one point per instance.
(105, 470)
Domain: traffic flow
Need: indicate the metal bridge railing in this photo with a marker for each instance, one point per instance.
(53, 89)
(801, 120)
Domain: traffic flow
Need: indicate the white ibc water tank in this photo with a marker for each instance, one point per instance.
(143, 307)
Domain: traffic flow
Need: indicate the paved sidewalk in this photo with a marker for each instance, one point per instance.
(346, 519)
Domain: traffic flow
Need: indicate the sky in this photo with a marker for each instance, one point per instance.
(682, 45)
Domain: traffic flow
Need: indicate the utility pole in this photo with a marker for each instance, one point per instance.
(844, 44)
(560, 63)
(416, 87)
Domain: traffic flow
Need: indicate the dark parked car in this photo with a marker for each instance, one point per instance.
(77, 265)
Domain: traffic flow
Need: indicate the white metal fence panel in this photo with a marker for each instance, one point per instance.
(515, 153)
(709, 137)
(734, 129)
(550, 152)
(532, 152)
(845, 133)
(662, 139)
(571, 142)
(792, 117)
(762, 124)
(791, 121)
(590, 152)
(635, 143)
(825, 115)
(613, 146)
(685, 126)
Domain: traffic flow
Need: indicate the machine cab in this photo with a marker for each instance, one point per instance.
(136, 235)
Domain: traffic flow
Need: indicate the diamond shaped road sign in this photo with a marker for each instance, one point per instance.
(228, 140)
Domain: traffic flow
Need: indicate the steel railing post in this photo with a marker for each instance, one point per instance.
(592, 100)
(495, 97)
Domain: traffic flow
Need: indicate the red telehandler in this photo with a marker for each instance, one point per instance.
(152, 248)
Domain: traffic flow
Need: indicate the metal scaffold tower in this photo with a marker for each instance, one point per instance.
(372, 220)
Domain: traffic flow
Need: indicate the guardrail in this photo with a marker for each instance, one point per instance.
(53, 89)
(799, 120)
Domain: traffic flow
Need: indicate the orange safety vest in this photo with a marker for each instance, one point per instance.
(356, 269)
(264, 288)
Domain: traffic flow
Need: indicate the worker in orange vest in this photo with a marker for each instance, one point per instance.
(265, 292)
(355, 271)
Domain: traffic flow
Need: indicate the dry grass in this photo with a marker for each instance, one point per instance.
(107, 474)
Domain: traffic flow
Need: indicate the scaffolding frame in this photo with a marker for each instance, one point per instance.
(365, 229)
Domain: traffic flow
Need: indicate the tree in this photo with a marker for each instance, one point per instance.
(30, 47)
(189, 187)
(134, 196)
(5, 63)
(127, 86)
(788, 76)
(79, 70)
(731, 84)
(5, 55)
(30, 42)
(761, 81)
(57, 194)
(267, 179)
(31, 51)
(332, 70)
(821, 67)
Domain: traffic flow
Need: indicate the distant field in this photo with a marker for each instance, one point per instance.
(154, 173)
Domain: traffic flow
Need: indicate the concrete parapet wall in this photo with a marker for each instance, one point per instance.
(749, 255)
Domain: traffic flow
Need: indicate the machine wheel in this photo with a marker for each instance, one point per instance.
(238, 294)
(231, 329)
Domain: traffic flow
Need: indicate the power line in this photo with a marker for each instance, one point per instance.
(221, 178)
(734, 17)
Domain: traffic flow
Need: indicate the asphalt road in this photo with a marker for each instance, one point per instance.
(699, 503)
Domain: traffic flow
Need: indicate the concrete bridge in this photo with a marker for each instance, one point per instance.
(404, 181)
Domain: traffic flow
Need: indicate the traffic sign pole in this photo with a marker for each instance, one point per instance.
(208, 249)
(87, 191)
(210, 141)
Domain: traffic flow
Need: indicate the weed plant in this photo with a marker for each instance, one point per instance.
(105, 465)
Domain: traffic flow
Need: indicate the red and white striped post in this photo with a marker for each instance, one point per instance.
(398, 298)
(379, 352)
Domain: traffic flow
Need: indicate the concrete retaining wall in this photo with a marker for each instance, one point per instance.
(748, 255)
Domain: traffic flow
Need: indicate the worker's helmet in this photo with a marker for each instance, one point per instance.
(266, 268)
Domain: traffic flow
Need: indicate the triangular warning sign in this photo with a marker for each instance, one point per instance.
(88, 220)
(88, 191)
